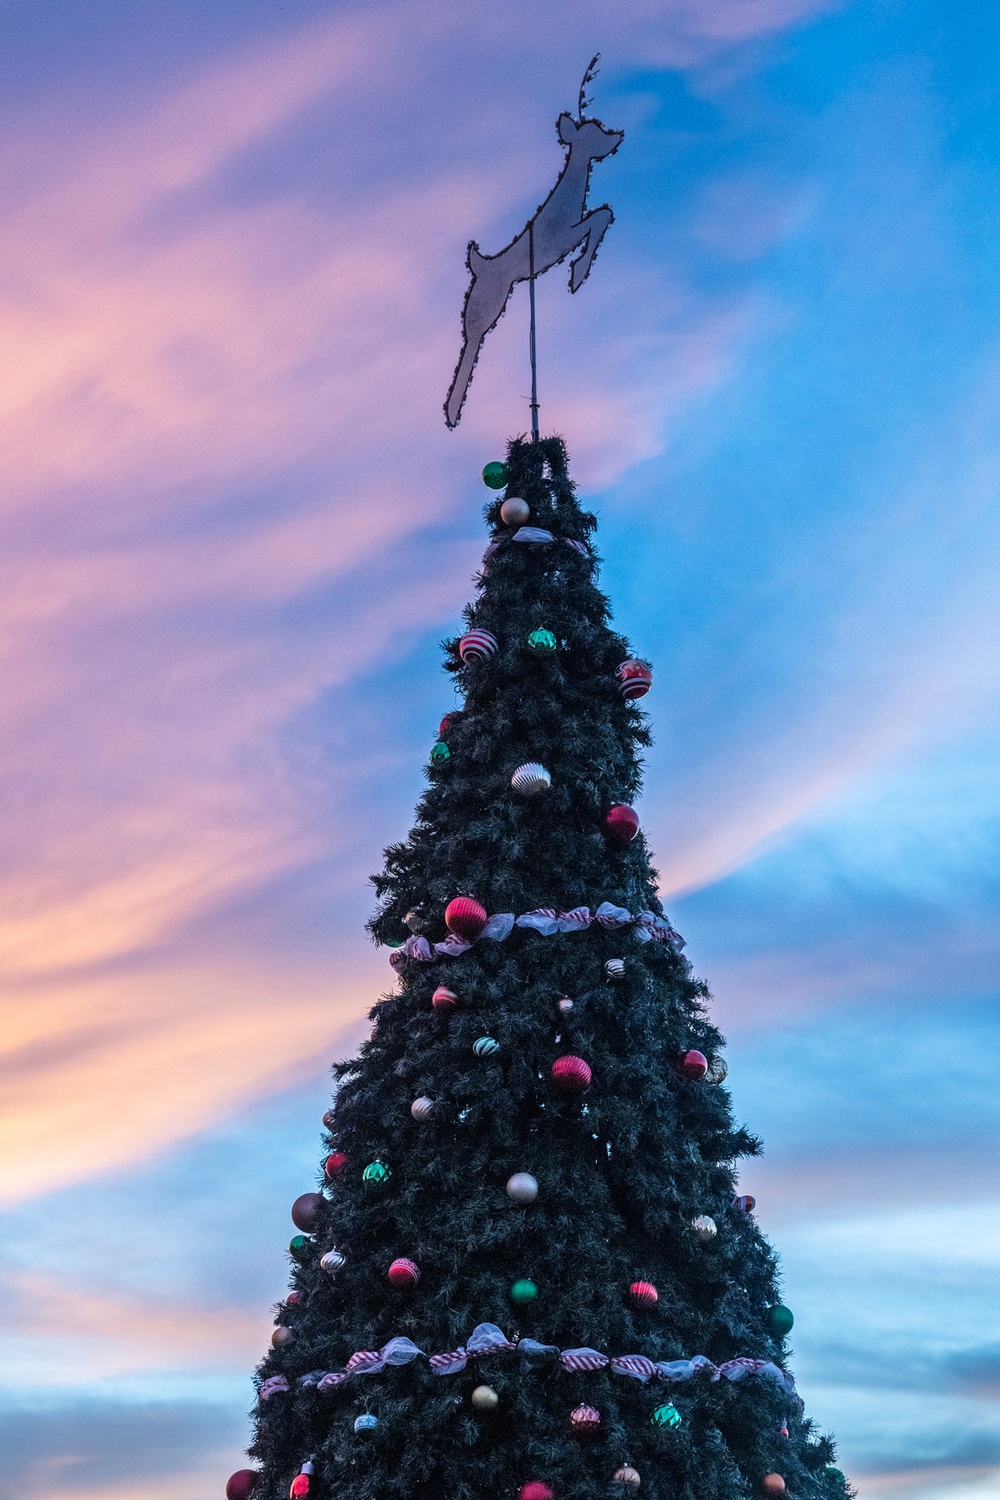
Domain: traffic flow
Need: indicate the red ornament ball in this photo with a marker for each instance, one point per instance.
(621, 823)
(242, 1484)
(536, 1490)
(300, 1486)
(444, 999)
(644, 1294)
(465, 918)
(446, 723)
(334, 1164)
(305, 1212)
(635, 678)
(773, 1484)
(404, 1272)
(585, 1421)
(571, 1075)
(693, 1065)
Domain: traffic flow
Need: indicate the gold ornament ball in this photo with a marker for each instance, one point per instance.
(515, 511)
(485, 1398)
(773, 1484)
(281, 1336)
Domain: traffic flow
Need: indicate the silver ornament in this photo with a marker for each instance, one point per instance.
(422, 1108)
(565, 1006)
(614, 970)
(718, 1072)
(367, 1422)
(486, 1046)
(531, 779)
(515, 511)
(332, 1262)
(705, 1228)
(628, 1478)
(522, 1187)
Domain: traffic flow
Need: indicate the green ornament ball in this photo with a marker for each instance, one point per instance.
(780, 1320)
(299, 1246)
(523, 1291)
(666, 1416)
(495, 476)
(440, 754)
(376, 1173)
(542, 642)
(838, 1476)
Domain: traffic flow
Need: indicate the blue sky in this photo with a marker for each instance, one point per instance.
(233, 530)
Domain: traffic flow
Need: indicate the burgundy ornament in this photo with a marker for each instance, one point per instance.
(444, 998)
(621, 823)
(446, 723)
(404, 1272)
(585, 1421)
(329, 1120)
(305, 1212)
(334, 1165)
(536, 1490)
(465, 918)
(635, 678)
(644, 1294)
(693, 1065)
(293, 1299)
(242, 1484)
(571, 1075)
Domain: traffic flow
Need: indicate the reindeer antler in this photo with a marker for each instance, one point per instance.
(588, 77)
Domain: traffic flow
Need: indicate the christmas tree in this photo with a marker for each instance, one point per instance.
(528, 1272)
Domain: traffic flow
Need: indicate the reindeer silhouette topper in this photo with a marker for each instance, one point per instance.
(561, 225)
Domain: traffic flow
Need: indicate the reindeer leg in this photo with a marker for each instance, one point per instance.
(595, 226)
(493, 278)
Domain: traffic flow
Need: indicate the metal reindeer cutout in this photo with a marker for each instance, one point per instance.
(561, 225)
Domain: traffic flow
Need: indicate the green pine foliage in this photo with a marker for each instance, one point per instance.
(622, 1169)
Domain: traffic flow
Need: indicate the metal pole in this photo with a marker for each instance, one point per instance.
(531, 336)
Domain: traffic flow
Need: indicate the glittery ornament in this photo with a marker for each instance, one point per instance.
(306, 1211)
(628, 1478)
(465, 918)
(570, 1075)
(693, 1065)
(523, 1291)
(718, 1072)
(531, 779)
(515, 511)
(404, 1272)
(484, 1398)
(644, 1294)
(621, 823)
(635, 678)
(367, 1422)
(495, 475)
(585, 1421)
(773, 1484)
(443, 998)
(376, 1173)
(705, 1228)
(614, 970)
(542, 642)
(334, 1165)
(447, 722)
(478, 645)
(780, 1320)
(440, 755)
(486, 1046)
(422, 1108)
(332, 1262)
(242, 1484)
(666, 1416)
(522, 1187)
(536, 1490)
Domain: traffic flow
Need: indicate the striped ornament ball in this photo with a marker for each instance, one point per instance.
(477, 645)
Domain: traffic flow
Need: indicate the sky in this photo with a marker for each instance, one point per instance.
(234, 531)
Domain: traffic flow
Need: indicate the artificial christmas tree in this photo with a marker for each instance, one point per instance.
(528, 1272)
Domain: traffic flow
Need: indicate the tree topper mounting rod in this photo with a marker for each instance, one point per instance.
(562, 224)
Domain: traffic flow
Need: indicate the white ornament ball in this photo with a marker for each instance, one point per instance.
(485, 1398)
(515, 511)
(531, 779)
(628, 1478)
(522, 1187)
(565, 1006)
(422, 1108)
(705, 1228)
(615, 970)
(332, 1262)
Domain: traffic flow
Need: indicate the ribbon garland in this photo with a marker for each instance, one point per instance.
(487, 1338)
(535, 534)
(546, 920)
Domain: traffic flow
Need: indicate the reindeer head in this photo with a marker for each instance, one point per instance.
(589, 136)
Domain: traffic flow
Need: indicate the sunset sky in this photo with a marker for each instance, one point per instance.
(234, 531)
